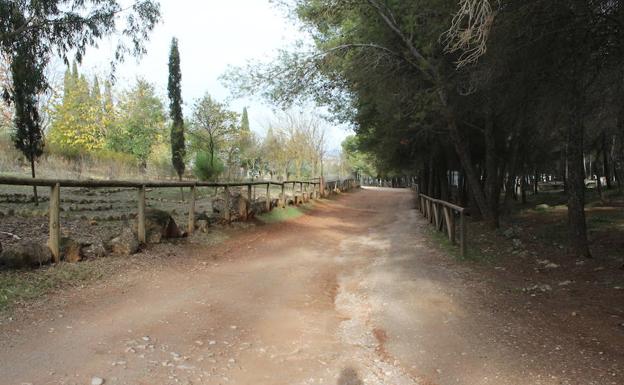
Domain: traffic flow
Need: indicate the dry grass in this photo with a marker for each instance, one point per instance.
(18, 287)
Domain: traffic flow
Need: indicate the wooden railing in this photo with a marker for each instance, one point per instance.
(312, 189)
(444, 216)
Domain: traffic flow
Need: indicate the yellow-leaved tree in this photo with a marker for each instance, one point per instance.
(78, 122)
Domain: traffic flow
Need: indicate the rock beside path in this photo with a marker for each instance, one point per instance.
(125, 244)
(70, 250)
(239, 206)
(95, 250)
(25, 254)
(159, 225)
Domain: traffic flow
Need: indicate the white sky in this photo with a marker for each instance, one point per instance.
(212, 34)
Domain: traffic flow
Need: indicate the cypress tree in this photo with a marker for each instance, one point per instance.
(178, 150)
(245, 121)
(28, 82)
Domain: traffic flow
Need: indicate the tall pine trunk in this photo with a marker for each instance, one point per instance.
(492, 182)
(472, 178)
(465, 159)
(575, 187)
(605, 161)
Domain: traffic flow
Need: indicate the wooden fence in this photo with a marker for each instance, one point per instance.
(444, 216)
(312, 189)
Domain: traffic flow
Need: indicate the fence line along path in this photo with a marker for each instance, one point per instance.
(444, 216)
(310, 189)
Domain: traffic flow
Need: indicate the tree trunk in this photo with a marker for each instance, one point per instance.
(32, 172)
(605, 161)
(492, 182)
(599, 188)
(465, 158)
(181, 189)
(535, 183)
(510, 184)
(577, 226)
(564, 167)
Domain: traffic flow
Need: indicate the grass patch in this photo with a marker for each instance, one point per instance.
(473, 254)
(281, 215)
(21, 286)
(611, 220)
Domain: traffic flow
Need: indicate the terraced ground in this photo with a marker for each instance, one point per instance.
(88, 214)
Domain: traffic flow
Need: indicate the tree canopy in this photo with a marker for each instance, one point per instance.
(475, 97)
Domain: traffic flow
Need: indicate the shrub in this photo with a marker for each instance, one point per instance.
(204, 170)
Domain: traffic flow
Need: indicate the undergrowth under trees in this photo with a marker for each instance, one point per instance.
(527, 93)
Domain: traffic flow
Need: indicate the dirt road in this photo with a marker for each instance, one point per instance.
(350, 294)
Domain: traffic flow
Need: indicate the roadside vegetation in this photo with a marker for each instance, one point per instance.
(481, 100)
(288, 213)
(20, 287)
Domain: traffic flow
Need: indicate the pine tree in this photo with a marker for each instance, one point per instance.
(178, 150)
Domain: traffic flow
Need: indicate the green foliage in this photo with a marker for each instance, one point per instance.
(28, 81)
(207, 168)
(141, 122)
(178, 147)
(67, 27)
(248, 155)
(245, 121)
(214, 127)
(286, 214)
(78, 119)
(360, 162)
(32, 32)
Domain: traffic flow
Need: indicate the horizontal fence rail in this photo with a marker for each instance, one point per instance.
(302, 191)
(444, 215)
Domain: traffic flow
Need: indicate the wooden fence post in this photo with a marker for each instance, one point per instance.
(283, 195)
(141, 215)
(431, 212)
(462, 233)
(248, 209)
(268, 197)
(294, 194)
(191, 221)
(447, 218)
(55, 223)
(227, 215)
(452, 227)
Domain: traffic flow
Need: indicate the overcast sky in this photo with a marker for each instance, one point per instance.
(212, 35)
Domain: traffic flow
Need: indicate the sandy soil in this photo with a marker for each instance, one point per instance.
(353, 293)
